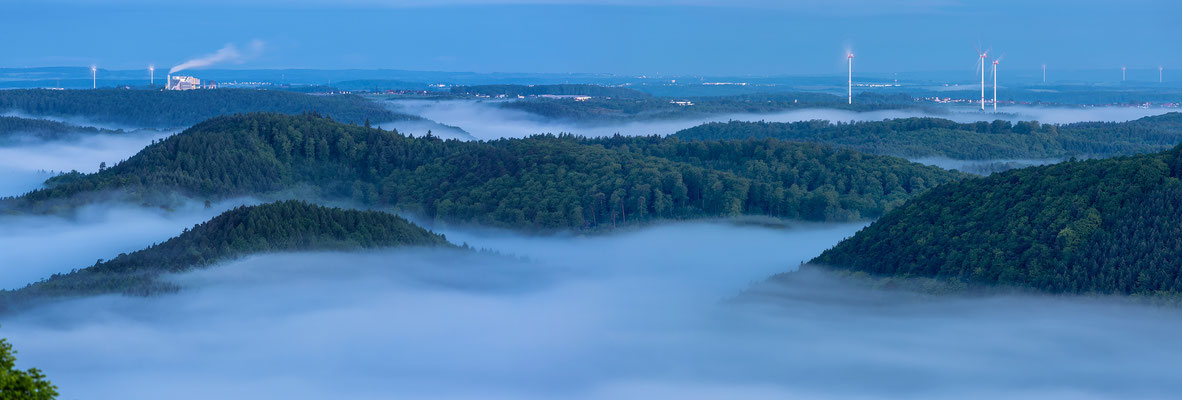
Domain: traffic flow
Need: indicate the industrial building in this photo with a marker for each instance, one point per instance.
(179, 82)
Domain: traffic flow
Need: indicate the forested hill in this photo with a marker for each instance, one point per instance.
(538, 90)
(12, 128)
(1110, 226)
(537, 183)
(927, 137)
(656, 108)
(274, 227)
(176, 109)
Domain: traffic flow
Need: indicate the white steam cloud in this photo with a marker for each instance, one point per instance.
(228, 53)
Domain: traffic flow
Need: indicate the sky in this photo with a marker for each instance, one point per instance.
(662, 37)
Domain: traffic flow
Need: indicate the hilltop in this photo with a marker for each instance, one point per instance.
(15, 128)
(273, 227)
(172, 108)
(1111, 226)
(935, 137)
(617, 109)
(541, 182)
(556, 90)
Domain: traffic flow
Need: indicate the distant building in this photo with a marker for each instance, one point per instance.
(182, 83)
(683, 103)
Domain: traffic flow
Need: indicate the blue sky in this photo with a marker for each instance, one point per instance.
(712, 37)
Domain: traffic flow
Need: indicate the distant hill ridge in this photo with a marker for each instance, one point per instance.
(936, 137)
(541, 182)
(176, 109)
(558, 90)
(17, 127)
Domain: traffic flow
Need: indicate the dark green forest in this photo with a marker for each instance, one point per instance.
(542, 182)
(172, 109)
(538, 90)
(274, 227)
(13, 128)
(617, 108)
(1111, 226)
(925, 137)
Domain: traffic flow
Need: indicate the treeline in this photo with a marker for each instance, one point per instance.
(672, 108)
(1111, 226)
(17, 127)
(538, 90)
(926, 137)
(273, 227)
(171, 109)
(542, 182)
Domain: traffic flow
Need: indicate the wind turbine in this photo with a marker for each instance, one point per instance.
(1044, 74)
(1159, 69)
(93, 77)
(995, 62)
(1122, 74)
(981, 69)
(850, 83)
(151, 75)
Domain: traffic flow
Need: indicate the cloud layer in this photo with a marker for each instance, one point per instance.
(636, 315)
(486, 120)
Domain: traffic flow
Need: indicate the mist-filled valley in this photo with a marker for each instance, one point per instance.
(509, 199)
(644, 314)
(27, 162)
(487, 120)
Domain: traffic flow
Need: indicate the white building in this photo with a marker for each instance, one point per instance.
(182, 83)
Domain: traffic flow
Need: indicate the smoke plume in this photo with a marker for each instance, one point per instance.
(228, 53)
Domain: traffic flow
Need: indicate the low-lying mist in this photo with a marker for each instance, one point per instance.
(487, 120)
(33, 247)
(23, 161)
(983, 167)
(644, 314)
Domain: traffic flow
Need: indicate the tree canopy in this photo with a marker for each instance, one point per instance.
(925, 137)
(18, 384)
(175, 108)
(538, 90)
(631, 108)
(543, 182)
(274, 227)
(1111, 226)
(12, 128)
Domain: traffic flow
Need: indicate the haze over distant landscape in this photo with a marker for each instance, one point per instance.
(538, 199)
(673, 37)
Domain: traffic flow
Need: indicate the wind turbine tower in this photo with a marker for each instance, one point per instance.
(981, 67)
(1122, 74)
(995, 83)
(1159, 69)
(93, 77)
(1044, 73)
(850, 83)
(151, 75)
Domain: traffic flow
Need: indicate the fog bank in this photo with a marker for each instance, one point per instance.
(22, 160)
(33, 247)
(637, 315)
(983, 167)
(487, 120)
